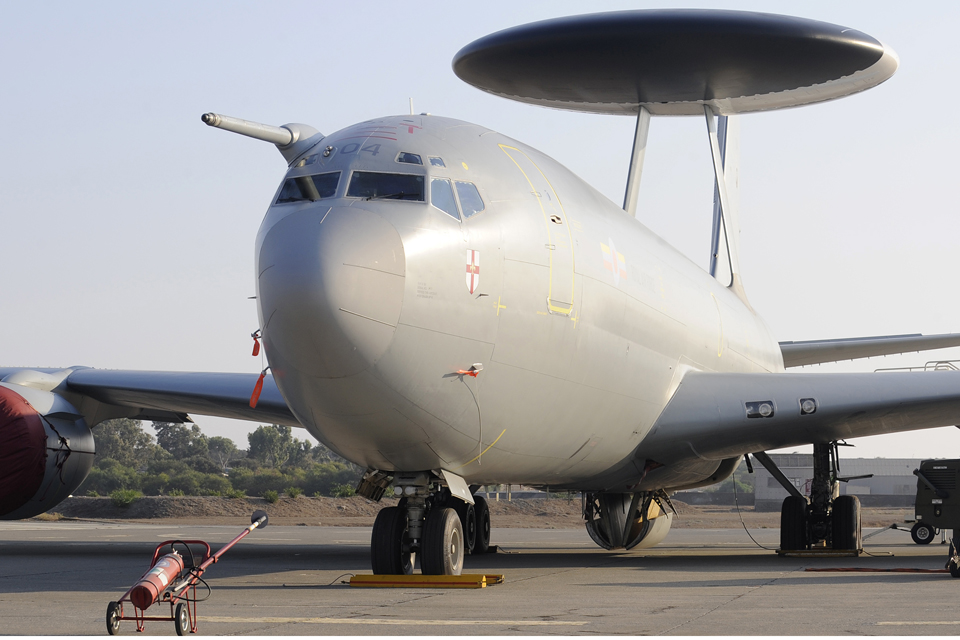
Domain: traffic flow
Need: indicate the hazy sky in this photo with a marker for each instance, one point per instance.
(128, 225)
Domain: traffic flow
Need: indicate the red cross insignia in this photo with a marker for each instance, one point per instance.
(473, 270)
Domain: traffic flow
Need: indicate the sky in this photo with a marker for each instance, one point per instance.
(128, 225)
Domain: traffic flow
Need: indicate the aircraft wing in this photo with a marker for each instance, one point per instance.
(169, 395)
(797, 354)
(707, 417)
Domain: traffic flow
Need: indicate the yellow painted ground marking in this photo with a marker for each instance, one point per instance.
(465, 166)
(482, 452)
(395, 621)
(499, 306)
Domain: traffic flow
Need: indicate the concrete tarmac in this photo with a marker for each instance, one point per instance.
(57, 578)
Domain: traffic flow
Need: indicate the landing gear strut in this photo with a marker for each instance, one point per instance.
(827, 520)
(428, 524)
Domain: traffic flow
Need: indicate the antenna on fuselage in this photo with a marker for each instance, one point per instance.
(692, 62)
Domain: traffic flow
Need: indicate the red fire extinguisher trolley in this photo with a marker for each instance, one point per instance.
(173, 578)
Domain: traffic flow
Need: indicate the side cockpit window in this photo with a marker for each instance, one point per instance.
(309, 188)
(386, 186)
(441, 196)
(409, 158)
(470, 201)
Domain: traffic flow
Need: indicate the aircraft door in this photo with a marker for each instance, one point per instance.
(559, 238)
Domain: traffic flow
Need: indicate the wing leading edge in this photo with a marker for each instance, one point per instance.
(707, 418)
(169, 393)
(798, 354)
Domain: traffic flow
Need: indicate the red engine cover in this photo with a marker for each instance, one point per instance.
(153, 582)
(23, 451)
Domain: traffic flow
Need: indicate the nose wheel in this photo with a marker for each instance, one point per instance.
(390, 547)
(441, 551)
(428, 524)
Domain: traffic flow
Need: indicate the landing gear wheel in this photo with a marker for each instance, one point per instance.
(113, 618)
(922, 533)
(468, 521)
(793, 524)
(441, 550)
(389, 555)
(482, 543)
(181, 619)
(846, 523)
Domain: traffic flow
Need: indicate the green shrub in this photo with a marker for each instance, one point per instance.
(92, 494)
(271, 496)
(176, 492)
(343, 491)
(293, 492)
(123, 498)
(235, 493)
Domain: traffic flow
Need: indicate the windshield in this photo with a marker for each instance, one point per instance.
(309, 188)
(386, 186)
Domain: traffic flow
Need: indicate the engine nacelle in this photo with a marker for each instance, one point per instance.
(46, 450)
(625, 520)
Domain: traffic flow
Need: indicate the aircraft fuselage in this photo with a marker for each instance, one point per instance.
(583, 320)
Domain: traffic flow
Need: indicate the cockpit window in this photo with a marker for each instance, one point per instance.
(409, 158)
(437, 162)
(470, 200)
(441, 196)
(309, 188)
(386, 186)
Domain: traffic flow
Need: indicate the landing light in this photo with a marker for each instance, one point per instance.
(760, 409)
(807, 406)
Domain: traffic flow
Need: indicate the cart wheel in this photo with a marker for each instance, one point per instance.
(181, 620)
(113, 618)
(922, 533)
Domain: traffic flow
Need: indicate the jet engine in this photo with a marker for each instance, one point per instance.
(46, 450)
(626, 520)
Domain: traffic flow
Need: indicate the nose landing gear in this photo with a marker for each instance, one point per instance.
(428, 523)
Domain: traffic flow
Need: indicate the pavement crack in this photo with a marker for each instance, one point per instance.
(749, 591)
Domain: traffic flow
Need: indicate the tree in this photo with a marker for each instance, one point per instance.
(124, 441)
(270, 445)
(222, 451)
(181, 441)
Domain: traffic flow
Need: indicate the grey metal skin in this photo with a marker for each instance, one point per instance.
(584, 320)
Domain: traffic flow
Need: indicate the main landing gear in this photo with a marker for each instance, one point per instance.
(826, 520)
(429, 523)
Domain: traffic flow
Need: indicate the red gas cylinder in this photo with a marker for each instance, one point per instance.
(153, 582)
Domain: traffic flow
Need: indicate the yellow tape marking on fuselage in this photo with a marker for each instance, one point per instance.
(546, 222)
(482, 452)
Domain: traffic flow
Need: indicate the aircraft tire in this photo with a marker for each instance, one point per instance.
(846, 523)
(387, 554)
(441, 550)
(468, 520)
(481, 544)
(922, 533)
(793, 525)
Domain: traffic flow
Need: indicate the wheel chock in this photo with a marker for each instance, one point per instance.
(466, 581)
(820, 553)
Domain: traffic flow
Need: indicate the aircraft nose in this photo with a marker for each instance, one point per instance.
(330, 290)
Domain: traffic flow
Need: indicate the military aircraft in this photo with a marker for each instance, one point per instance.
(448, 307)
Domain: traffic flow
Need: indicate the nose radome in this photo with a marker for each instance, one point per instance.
(331, 290)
